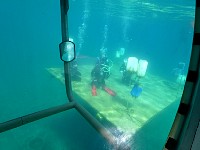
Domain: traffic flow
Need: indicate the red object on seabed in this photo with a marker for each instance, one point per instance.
(94, 91)
(109, 91)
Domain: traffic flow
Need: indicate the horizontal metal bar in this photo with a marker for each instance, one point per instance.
(34, 116)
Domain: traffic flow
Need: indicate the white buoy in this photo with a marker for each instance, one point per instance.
(142, 67)
(132, 64)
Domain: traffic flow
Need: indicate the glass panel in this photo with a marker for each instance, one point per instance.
(30, 35)
(131, 65)
(64, 131)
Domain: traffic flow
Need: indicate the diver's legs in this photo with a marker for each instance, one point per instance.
(94, 91)
(94, 87)
(109, 91)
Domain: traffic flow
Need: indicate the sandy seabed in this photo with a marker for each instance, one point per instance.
(127, 113)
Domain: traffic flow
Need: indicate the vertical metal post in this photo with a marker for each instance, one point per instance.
(64, 5)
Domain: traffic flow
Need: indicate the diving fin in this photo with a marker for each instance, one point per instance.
(109, 91)
(94, 91)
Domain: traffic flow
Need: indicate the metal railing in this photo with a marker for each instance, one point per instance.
(20, 121)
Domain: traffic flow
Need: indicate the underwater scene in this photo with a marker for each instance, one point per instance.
(130, 67)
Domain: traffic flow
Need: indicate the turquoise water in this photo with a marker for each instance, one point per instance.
(160, 32)
(153, 30)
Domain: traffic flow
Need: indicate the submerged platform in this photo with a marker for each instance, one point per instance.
(128, 114)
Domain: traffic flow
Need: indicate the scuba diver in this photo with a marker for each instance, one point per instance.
(75, 73)
(133, 67)
(126, 74)
(100, 73)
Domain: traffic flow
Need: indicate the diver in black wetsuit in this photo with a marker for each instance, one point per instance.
(75, 74)
(126, 75)
(100, 72)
